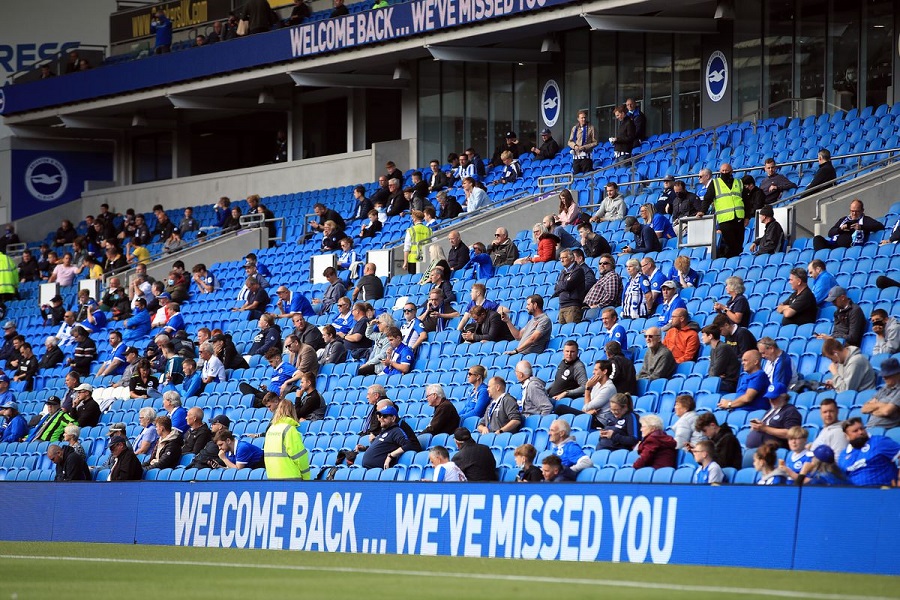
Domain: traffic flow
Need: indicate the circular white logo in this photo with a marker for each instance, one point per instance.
(2, 100)
(46, 179)
(716, 76)
(550, 103)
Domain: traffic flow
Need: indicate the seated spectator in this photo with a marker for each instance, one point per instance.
(621, 430)
(444, 470)
(237, 455)
(53, 355)
(612, 208)
(445, 418)
(774, 426)
(684, 204)
(849, 320)
(436, 312)
(257, 299)
(85, 351)
(375, 329)
(66, 234)
(345, 319)
(167, 452)
(708, 470)
(608, 289)
(660, 223)
(488, 327)
(503, 251)
(292, 303)
(658, 360)
(796, 460)
(884, 407)
(822, 470)
(637, 299)
(546, 246)
(323, 215)
(334, 352)
(502, 414)
(727, 451)
(645, 239)
(599, 390)
(191, 383)
(331, 237)
(70, 465)
(450, 207)
(868, 460)
(772, 240)
(53, 313)
(656, 449)
(549, 147)
(397, 203)
(683, 429)
(774, 182)
(852, 230)
(28, 268)
(825, 175)
(569, 212)
(390, 443)
(355, 340)
(175, 322)
(475, 460)
(751, 387)
(143, 383)
(563, 445)
(887, 332)
(477, 399)
(571, 375)
(736, 337)
(623, 373)
(268, 336)
(682, 338)
(566, 239)
(524, 456)
(335, 290)
(820, 281)
(52, 425)
(656, 278)
(14, 428)
(723, 361)
(800, 307)
(849, 368)
(512, 170)
(594, 244)
(400, 358)
(765, 460)
(553, 471)
(206, 281)
(737, 308)
(137, 327)
(535, 335)
(534, 400)
(175, 243)
(115, 364)
(671, 302)
(682, 273)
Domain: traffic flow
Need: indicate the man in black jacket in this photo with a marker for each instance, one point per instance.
(852, 230)
(489, 327)
(824, 175)
(728, 449)
(198, 433)
(126, 466)
(772, 239)
(70, 466)
(475, 460)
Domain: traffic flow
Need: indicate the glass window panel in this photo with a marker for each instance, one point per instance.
(879, 43)
(452, 107)
(844, 34)
(526, 104)
(603, 81)
(501, 115)
(810, 52)
(659, 84)
(687, 83)
(429, 125)
(747, 57)
(477, 106)
(778, 47)
(577, 88)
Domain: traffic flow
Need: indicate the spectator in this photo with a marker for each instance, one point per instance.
(331, 237)
(161, 26)
(512, 170)
(852, 230)
(445, 418)
(436, 180)
(53, 355)
(570, 289)
(582, 140)
(502, 251)
(334, 352)
(198, 433)
(64, 273)
(849, 320)
(849, 368)
(708, 470)
(727, 447)
(624, 140)
(569, 212)
(637, 297)
(774, 182)
(779, 367)
(15, 428)
(685, 204)
(608, 289)
(257, 299)
(54, 312)
(458, 255)
(28, 268)
(868, 460)
(476, 198)
(236, 454)
(723, 362)
(400, 359)
(571, 375)
(564, 446)
(450, 208)
(85, 351)
(645, 239)
(535, 335)
(475, 460)
(671, 302)
(613, 331)
(830, 434)
(682, 337)
(390, 443)
(884, 407)
(333, 292)
(51, 426)
(502, 414)
(737, 308)
(661, 225)
(488, 327)
(396, 202)
(549, 147)
(800, 307)
(656, 449)
(599, 390)
(553, 471)
(436, 312)
(524, 456)
(640, 121)
(66, 233)
(796, 460)
(765, 460)
(444, 470)
(887, 332)
(825, 176)
(268, 336)
(308, 402)
(86, 409)
(736, 337)
(479, 265)
(778, 420)
(593, 244)
(412, 331)
(355, 341)
(658, 360)
(751, 387)
(70, 465)
(292, 303)
(143, 383)
(683, 429)
(325, 214)
(612, 208)
(477, 399)
(138, 326)
(754, 199)
(772, 240)
(534, 400)
(621, 429)
(115, 365)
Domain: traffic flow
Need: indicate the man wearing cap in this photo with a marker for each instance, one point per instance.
(9, 334)
(208, 457)
(116, 429)
(671, 301)
(549, 147)
(774, 425)
(753, 197)
(52, 425)
(87, 411)
(645, 239)
(510, 144)
(849, 319)
(162, 315)
(772, 239)
(868, 460)
(884, 407)
(132, 355)
(54, 313)
(14, 428)
(475, 460)
(664, 202)
(390, 443)
(198, 433)
(70, 465)
(126, 466)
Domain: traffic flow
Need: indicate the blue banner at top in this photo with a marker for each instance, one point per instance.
(310, 39)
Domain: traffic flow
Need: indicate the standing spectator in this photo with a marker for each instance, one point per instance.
(582, 140)
(774, 182)
(624, 140)
(685, 204)
(753, 197)
(162, 27)
(724, 195)
(285, 454)
(640, 121)
(417, 236)
(570, 289)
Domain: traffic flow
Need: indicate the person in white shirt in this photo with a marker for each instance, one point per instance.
(445, 470)
(475, 196)
(213, 369)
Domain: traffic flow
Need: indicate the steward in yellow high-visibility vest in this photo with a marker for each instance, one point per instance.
(417, 236)
(725, 195)
(285, 455)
